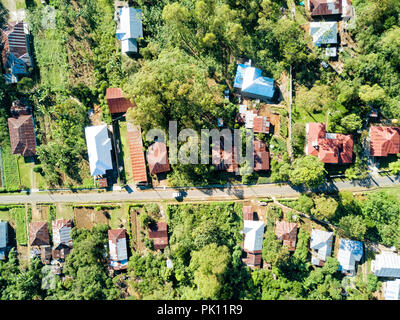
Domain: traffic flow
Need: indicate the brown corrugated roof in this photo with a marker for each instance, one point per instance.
(253, 260)
(261, 156)
(22, 135)
(157, 158)
(261, 124)
(136, 153)
(158, 232)
(384, 141)
(325, 7)
(39, 234)
(248, 213)
(116, 101)
(287, 232)
(116, 234)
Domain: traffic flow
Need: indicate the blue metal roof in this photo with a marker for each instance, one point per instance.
(258, 86)
(355, 247)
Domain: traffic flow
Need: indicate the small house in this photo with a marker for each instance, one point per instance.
(251, 84)
(350, 252)
(321, 246)
(387, 265)
(3, 239)
(248, 213)
(287, 232)
(39, 240)
(253, 232)
(331, 148)
(62, 241)
(130, 29)
(22, 135)
(158, 232)
(261, 156)
(157, 158)
(136, 153)
(384, 141)
(324, 33)
(116, 101)
(99, 149)
(118, 249)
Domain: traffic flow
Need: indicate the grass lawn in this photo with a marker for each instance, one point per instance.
(11, 171)
(18, 216)
(302, 116)
(125, 152)
(4, 216)
(119, 216)
(51, 58)
(25, 171)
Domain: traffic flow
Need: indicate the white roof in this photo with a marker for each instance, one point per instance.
(130, 23)
(349, 252)
(62, 235)
(387, 265)
(321, 242)
(392, 291)
(324, 32)
(118, 251)
(254, 232)
(99, 149)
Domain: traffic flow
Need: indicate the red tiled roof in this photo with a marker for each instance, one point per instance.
(328, 147)
(39, 234)
(248, 213)
(325, 7)
(224, 159)
(384, 141)
(261, 124)
(158, 232)
(287, 232)
(116, 101)
(261, 156)
(136, 153)
(22, 135)
(157, 158)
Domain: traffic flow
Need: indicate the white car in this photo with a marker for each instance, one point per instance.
(177, 195)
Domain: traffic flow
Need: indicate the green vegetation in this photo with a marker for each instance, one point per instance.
(18, 215)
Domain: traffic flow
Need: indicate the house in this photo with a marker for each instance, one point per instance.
(324, 33)
(3, 239)
(39, 234)
(326, 8)
(19, 108)
(15, 54)
(157, 158)
(130, 29)
(158, 232)
(62, 232)
(392, 290)
(136, 153)
(99, 149)
(387, 265)
(287, 232)
(321, 246)
(350, 252)
(253, 232)
(261, 156)
(251, 84)
(332, 148)
(251, 119)
(223, 158)
(248, 213)
(22, 135)
(118, 249)
(261, 124)
(384, 141)
(116, 101)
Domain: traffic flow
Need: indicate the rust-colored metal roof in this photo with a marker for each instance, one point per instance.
(261, 156)
(325, 7)
(384, 141)
(157, 158)
(39, 233)
(328, 147)
(248, 213)
(116, 101)
(116, 234)
(158, 232)
(136, 153)
(103, 183)
(261, 124)
(223, 158)
(253, 259)
(287, 232)
(22, 135)
(14, 41)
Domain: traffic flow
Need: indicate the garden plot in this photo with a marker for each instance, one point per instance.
(89, 217)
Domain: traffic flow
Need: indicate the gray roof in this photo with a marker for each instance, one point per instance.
(3, 234)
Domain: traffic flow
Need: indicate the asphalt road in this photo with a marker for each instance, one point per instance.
(196, 194)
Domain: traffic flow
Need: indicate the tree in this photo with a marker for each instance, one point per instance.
(353, 227)
(317, 99)
(273, 252)
(395, 167)
(324, 207)
(351, 122)
(372, 95)
(209, 266)
(305, 203)
(309, 171)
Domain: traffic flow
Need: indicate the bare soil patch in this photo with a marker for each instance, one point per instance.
(88, 217)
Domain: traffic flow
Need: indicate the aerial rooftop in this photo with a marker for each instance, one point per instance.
(99, 149)
(384, 141)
